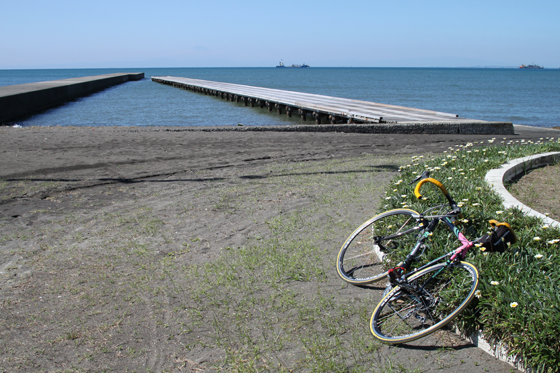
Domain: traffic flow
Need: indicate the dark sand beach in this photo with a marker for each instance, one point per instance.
(148, 249)
(97, 154)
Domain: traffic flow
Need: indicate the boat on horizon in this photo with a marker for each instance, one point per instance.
(532, 66)
(281, 65)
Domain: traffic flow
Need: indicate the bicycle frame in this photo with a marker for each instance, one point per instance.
(452, 256)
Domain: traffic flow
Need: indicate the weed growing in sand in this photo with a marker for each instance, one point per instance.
(236, 275)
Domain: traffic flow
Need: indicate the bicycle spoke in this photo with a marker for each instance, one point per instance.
(428, 301)
(362, 258)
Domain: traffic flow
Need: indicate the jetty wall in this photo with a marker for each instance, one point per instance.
(336, 113)
(25, 99)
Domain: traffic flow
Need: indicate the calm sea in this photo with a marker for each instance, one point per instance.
(530, 97)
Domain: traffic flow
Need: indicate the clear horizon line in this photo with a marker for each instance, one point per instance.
(273, 67)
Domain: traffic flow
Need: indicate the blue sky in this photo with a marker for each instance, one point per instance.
(172, 33)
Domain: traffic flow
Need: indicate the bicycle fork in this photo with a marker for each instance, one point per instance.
(396, 273)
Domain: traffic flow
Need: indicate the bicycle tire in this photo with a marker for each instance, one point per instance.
(404, 316)
(361, 260)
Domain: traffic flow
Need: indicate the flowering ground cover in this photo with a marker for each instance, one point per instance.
(518, 301)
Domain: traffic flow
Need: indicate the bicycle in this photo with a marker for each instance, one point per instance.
(425, 299)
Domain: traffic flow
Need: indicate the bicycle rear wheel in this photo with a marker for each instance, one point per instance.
(362, 258)
(430, 299)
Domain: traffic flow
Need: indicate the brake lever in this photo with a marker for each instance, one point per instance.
(425, 175)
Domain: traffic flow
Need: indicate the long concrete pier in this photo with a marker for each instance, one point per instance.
(365, 116)
(25, 99)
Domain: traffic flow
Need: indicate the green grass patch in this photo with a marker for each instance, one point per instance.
(235, 276)
(519, 299)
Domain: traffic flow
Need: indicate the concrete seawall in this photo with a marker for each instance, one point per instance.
(25, 99)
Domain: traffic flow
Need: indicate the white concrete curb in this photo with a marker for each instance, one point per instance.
(516, 167)
(496, 179)
(497, 349)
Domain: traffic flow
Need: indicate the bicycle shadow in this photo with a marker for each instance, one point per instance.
(436, 347)
(441, 340)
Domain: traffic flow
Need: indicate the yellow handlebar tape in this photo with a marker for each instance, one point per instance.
(429, 180)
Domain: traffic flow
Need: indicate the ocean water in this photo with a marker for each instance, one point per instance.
(529, 97)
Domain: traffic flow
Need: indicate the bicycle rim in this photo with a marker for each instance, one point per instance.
(441, 293)
(362, 258)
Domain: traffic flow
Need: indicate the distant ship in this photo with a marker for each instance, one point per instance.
(281, 64)
(531, 67)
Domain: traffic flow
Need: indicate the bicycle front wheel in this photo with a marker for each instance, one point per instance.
(362, 258)
(428, 301)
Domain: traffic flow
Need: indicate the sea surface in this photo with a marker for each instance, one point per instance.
(529, 97)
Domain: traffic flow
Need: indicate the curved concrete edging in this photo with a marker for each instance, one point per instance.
(514, 168)
(496, 179)
(496, 349)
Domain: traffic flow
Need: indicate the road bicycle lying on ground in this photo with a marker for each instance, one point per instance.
(419, 301)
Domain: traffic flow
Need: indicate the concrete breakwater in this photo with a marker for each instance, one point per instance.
(25, 99)
(341, 114)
